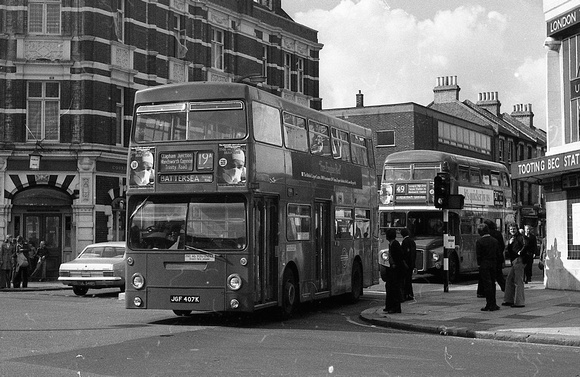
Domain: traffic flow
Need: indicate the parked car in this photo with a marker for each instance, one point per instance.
(99, 265)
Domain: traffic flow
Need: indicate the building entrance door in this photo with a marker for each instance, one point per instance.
(46, 227)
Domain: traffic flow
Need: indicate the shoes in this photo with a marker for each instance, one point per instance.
(507, 304)
(518, 306)
(480, 296)
(393, 311)
(409, 298)
(494, 308)
(485, 309)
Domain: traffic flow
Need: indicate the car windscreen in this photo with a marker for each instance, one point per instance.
(102, 252)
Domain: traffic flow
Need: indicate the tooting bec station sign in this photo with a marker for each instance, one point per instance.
(543, 167)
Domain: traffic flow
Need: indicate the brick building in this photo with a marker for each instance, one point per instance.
(68, 72)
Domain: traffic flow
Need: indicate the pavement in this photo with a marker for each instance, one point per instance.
(549, 317)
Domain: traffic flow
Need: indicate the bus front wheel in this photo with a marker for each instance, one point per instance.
(289, 294)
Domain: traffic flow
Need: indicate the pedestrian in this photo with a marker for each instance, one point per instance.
(395, 273)
(542, 257)
(6, 262)
(500, 260)
(42, 253)
(514, 287)
(20, 263)
(410, 256)
(531, 250)
(486, 250)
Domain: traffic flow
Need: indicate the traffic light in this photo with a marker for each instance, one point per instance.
(442, 190)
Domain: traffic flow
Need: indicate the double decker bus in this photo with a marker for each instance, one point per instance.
(407, 200)
(240, 200)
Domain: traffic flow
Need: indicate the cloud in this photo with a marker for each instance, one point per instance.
(392, 56)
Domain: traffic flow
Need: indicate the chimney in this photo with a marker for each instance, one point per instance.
(490, 102)
(360, 99)
(524, 114)
(446, 89)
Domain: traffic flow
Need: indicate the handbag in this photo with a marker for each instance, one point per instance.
(541, 265)
(21, 260)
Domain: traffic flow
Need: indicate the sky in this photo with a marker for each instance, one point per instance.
(394, 50)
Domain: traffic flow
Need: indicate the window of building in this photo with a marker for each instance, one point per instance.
(287, 71)
(300, 75)
(385, 138)
(463, 138)
(42, 111)
(501, 151)
(120, 117)
(265, 62)
(217, 49)
(44, 17)
(119, 20)
(510, 155)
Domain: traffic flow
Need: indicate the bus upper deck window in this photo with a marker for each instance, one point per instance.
(267, 124)
(319, 139)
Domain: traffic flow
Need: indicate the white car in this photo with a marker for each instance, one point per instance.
(100, 265)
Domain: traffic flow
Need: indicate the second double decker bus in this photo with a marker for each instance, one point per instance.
(240, 200)
(406, 200)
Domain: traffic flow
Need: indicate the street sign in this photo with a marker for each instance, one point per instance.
(448, 241)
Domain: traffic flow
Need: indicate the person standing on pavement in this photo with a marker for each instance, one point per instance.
(410, 256)
(41, 253)
(6, 262)
(500, 259)
(531, 250)
(514, 287)
(20, 262)
(486, 250)
(394, 274)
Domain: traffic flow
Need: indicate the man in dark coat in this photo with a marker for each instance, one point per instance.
(410, 256)
(486, 250)
(499, 277)
(394, 275)
(530, 251)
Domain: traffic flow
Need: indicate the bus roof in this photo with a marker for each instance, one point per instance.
(430, 156)
(204, 90)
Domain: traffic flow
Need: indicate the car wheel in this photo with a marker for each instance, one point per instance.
(80, 291)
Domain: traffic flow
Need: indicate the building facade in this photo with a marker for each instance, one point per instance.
(559, 170)
(471, 129)
(68, 72)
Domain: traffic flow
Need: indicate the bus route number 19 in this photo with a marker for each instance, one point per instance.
(184, 299)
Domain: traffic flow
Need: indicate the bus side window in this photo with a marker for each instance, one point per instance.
(344, 223)
(298, 222)
(360, 151)
(267, 123)
(362, 223)
(495, 180)
(463, 174)
(340, 145)
(319, 139)
(295, 134)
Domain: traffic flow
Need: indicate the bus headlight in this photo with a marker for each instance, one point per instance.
(234, 282)
(383, 256)
(137, 281)
(130, 261)
(137, 301)
(234, 304)
(435, 257)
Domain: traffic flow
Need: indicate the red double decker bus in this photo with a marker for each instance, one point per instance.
(240, 200)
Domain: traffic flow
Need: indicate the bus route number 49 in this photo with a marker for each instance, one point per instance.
(184, 299)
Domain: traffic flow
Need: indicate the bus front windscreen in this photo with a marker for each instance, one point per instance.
(224, 120)
(206, 223)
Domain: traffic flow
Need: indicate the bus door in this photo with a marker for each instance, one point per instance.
(322, 244)
(265, 218)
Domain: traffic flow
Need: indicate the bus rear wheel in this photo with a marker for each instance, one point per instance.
(356, 284)
(289, 294)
